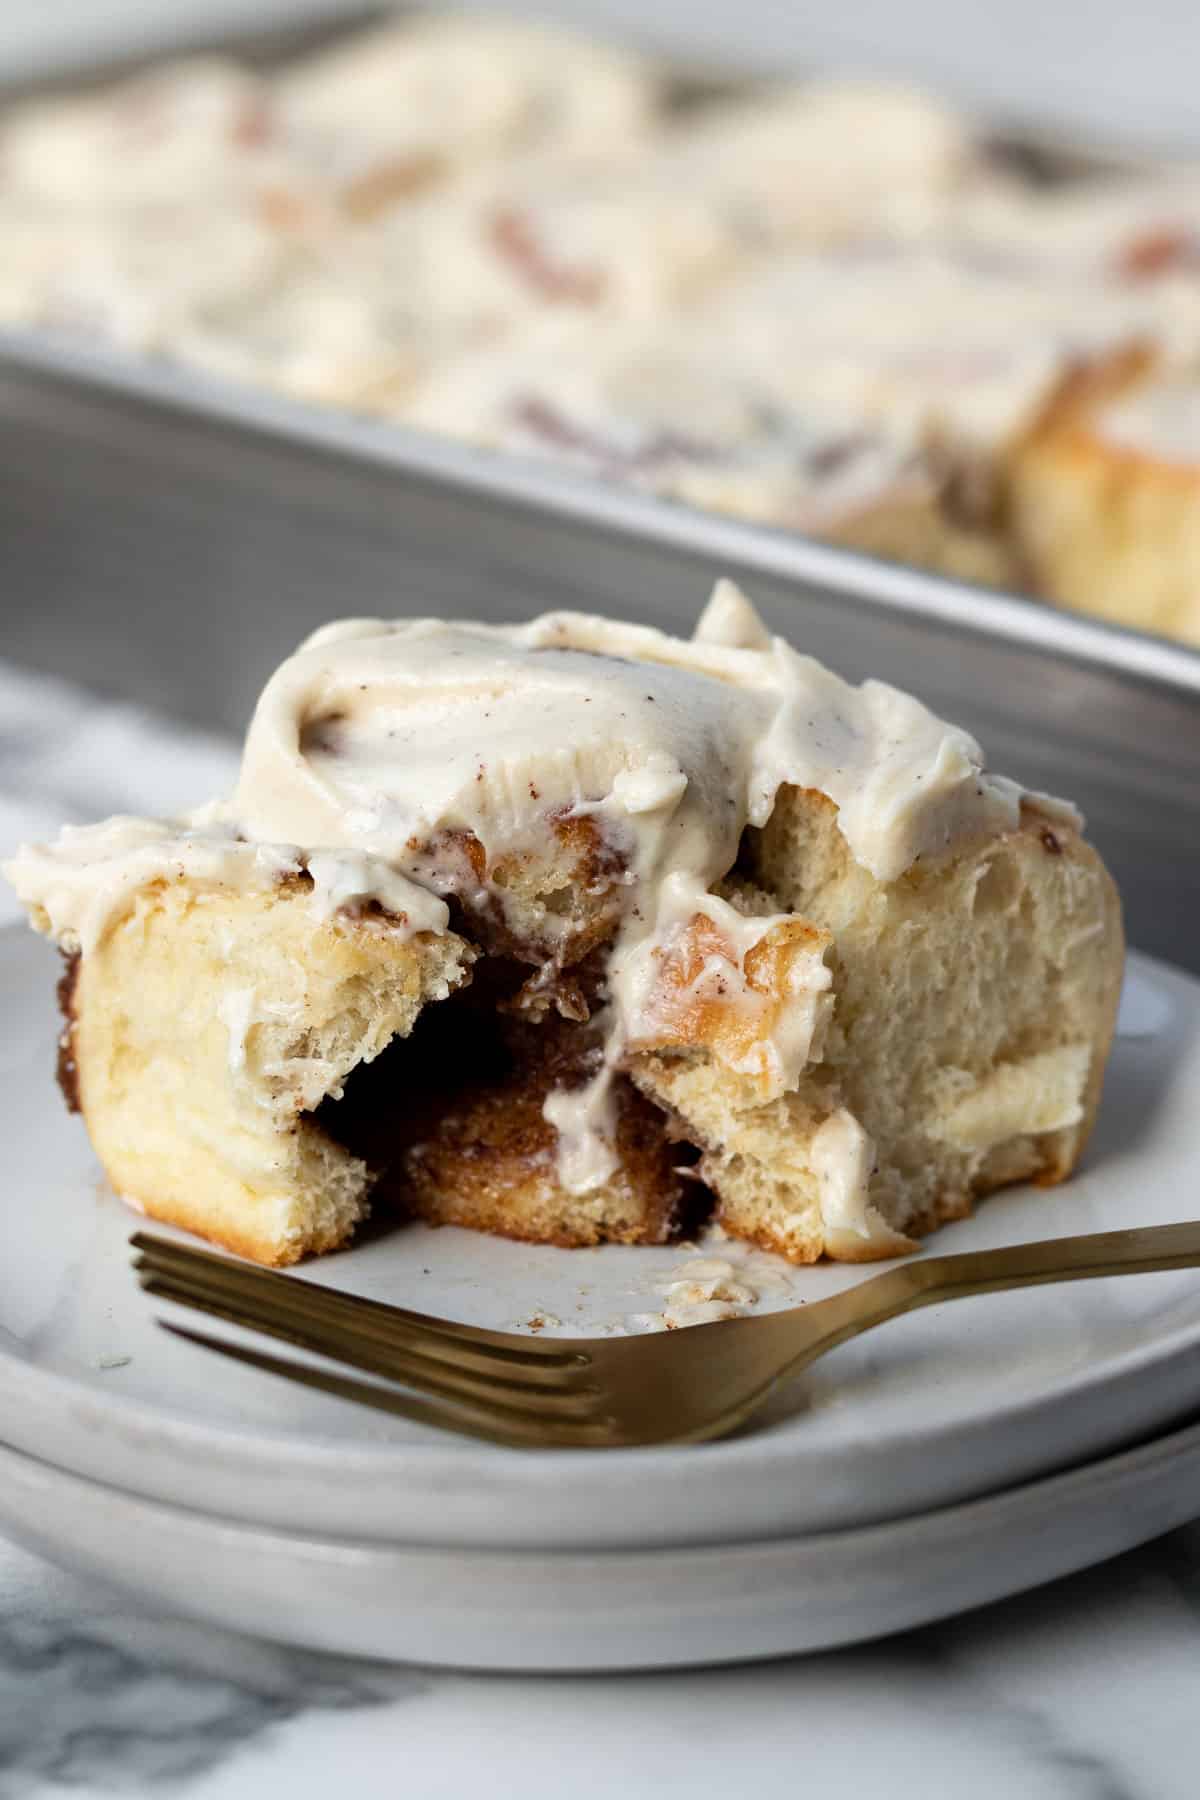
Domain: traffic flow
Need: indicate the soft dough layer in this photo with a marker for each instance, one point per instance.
(207, 1027)
(972, 1003)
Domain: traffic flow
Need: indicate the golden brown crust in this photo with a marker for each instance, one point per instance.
(1046, 1169)
(1089, 385)
(752, 1229)
(532, 908)
(239, 1240)
(526, 1216)
(66, 1066)
(926, 534)
(1106, 526)
(734, 1016)
(491, 1167)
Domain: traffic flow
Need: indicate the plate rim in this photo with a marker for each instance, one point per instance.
(1153, 1472)
(29, 1390)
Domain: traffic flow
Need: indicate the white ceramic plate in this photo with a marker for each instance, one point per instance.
(951, 1402)
(619, 1609)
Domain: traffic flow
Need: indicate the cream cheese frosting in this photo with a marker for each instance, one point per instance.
(166, 132)
(446, 92)
(376, 733)
(1160, 418)
(682, 409)
(379, 744)
(79, 886)
(939, 339)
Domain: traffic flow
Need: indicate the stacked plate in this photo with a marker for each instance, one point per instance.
(951, 1457)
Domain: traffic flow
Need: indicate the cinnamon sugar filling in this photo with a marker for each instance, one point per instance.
(452, 1119)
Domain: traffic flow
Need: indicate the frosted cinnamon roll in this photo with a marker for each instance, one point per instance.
(124, 209)
(386, 114)
(827, 162)
(1140, 231)
(570, 929)
(177, 128)
(686, 411)
(1105, 494)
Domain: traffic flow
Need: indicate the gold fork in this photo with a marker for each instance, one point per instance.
(600, 1393)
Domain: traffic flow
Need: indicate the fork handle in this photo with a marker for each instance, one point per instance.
(1139, 1251)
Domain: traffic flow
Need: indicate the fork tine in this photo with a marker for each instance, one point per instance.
(392, 1324)
(528, 1433)
(284, 1303)
(498, 1392)
(506, 1346)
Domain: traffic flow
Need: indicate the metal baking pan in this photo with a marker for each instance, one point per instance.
(169, 537)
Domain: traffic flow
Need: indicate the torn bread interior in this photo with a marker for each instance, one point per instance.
(573, 931)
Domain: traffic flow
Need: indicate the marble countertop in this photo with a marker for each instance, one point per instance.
(1085, 1690)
